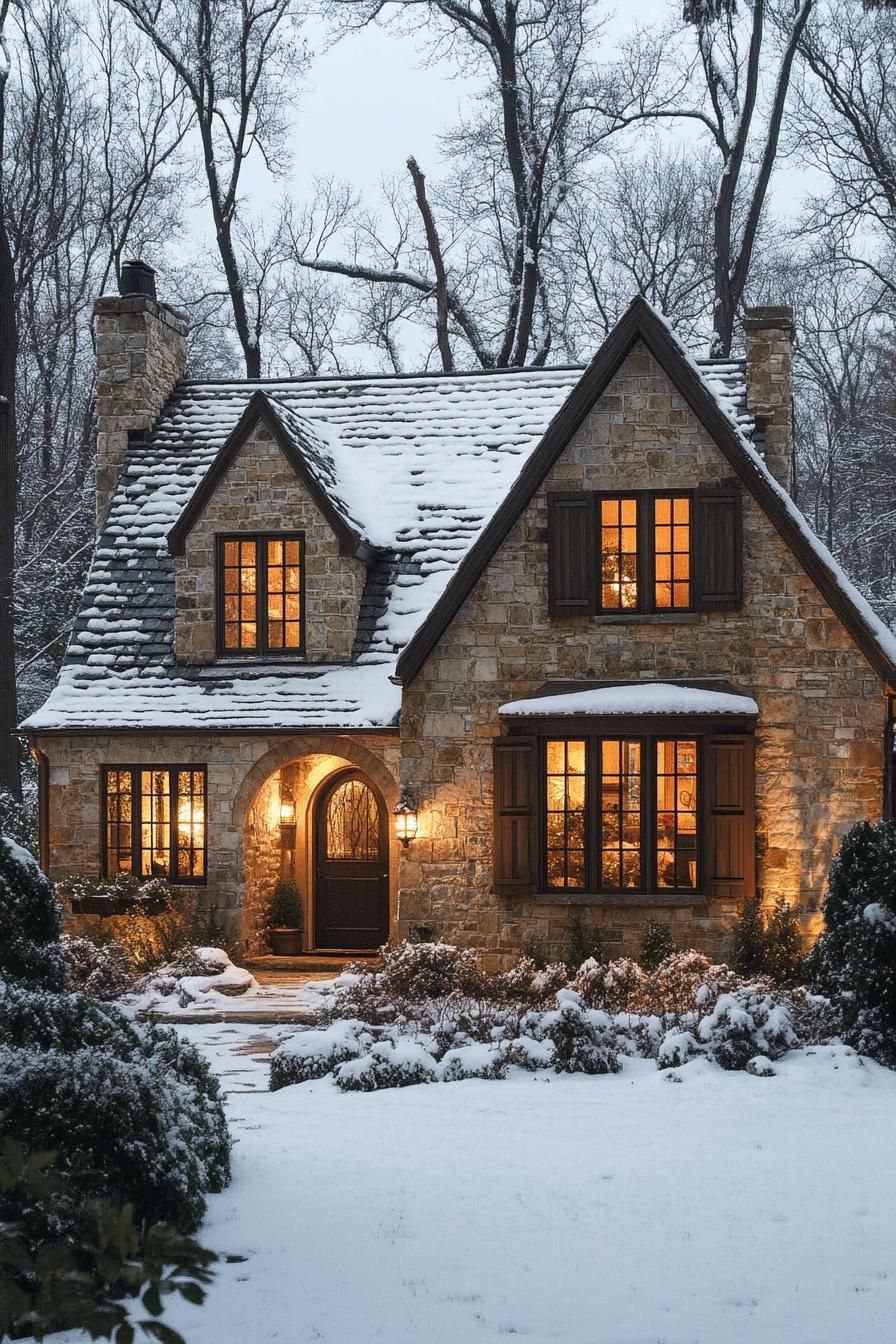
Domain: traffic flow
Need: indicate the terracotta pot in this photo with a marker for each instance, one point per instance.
(287, 942)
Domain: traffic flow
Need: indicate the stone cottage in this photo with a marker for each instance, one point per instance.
(475, 653)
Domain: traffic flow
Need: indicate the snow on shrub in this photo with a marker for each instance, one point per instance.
(314, 1054)
(129, 1108)
(584, 1042)
(99, 970)
(854, 960)
(745, 1023)
(681, 982)
(403, 1064)
(479, 1060)
(30, 920)
(676, 1047)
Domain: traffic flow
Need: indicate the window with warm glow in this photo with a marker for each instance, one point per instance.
(260, 584)
(621, 814)
(155, 822)
(619, 554)
(676, 814)
(672, 552)
(645, 552)
(565, 812)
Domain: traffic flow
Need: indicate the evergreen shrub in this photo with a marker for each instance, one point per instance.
(854, 960)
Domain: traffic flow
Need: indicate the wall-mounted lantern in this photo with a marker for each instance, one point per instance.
(287, 831)
(287, 808)
(405, 820)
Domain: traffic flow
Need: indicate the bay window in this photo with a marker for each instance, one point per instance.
(621, 812)
(154, 822)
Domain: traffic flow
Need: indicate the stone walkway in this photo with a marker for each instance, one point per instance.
(285, 999)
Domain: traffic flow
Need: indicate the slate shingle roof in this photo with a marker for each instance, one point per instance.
(417, 464)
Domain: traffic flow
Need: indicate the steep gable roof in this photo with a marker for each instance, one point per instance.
(305, 447)
(641, 323)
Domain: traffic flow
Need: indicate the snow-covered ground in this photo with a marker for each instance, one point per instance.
(693, 1207)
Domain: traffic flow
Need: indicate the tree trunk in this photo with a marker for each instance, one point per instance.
(10, 776)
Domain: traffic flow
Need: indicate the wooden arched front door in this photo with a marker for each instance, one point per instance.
(351, 841)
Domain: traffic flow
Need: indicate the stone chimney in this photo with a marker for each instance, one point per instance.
(768, 333)
(141, 352)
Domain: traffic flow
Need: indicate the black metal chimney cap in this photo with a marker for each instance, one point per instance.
(137, 278)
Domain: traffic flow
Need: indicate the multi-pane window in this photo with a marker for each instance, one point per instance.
(621, 814)
(565, 813)
(676, 813)
(154, 822)
(260, 582)
(672, 552)
(619, 554)
(645, 552)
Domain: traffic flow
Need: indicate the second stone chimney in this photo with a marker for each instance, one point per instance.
(141, 352)
(768, 333)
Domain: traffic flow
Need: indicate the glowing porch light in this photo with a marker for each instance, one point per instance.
(405, 820)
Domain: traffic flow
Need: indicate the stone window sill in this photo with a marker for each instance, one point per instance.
(647, 618)
(621, 901)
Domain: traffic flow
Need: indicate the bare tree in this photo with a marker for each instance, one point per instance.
(472, 250)
(10, 780)
(846, 125)
(239, 64)
(737, 92)
(91, 166)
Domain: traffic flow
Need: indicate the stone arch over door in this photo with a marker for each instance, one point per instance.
(306, 761)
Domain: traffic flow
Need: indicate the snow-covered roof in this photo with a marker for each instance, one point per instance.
(649, 697)
(417, 465)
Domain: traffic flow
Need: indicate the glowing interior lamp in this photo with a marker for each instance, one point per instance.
(190, 822)
(287, 809)
(405, 820)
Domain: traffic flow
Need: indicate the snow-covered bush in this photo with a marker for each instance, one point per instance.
(30, 920)
(680, 983)
(98, 969)
(128, 1108)
(403, 1064)
(314, 1054)
(479, 1060)
(88, 894)
(746, 1023)
(854, 960)
(676, 1048)
(584, 1042)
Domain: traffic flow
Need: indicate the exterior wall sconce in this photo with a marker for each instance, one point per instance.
(287, 808)
(405, 820)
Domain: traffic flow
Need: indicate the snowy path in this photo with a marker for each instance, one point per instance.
(625, 1210)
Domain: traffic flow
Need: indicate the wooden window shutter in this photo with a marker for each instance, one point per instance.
(516, 815)
(572, 554)
(718, 550)
(731, 838)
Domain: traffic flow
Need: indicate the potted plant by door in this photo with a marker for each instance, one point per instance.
(286, 920)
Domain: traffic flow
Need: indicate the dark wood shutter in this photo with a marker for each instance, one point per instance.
(572, 554)
(516, 815)
(731, 839)
(718, 550)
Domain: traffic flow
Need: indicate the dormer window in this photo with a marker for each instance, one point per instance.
(261, 593)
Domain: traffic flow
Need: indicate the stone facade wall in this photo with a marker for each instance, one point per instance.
(141, 352)
(242, 803)
(819, 756)
(260, 492)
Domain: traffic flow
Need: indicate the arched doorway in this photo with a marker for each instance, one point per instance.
(351, 865)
